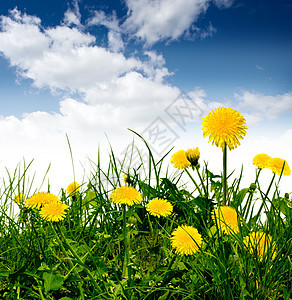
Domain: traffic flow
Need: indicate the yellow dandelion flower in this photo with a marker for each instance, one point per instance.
(159, 207)
(276, 165)
(179, 160)
(40, 199)
(193, 156)
(54, 211)
(72, 188)
(261, 161)
(19, 198)
(186, 240)
(224, 125)
(260, 244)
(126, 195)
(226, 219)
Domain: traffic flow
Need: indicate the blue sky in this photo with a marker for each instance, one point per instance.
(249, 49)
(90, 68)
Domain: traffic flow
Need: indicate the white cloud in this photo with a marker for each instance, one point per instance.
(223, 3)
(73, 16)
(101, 18)
(60, 57)
(115, 41)
(262, 106)
(158, 20)
(202, 33)
(259, 68)
(111, 22)
(65, 58)
(21, 39)
(153, 21)
(79, 68)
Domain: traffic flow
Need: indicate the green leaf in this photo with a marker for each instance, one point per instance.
(147, 190)
(52, 281)
(165, 296)
(239, 197)
(212, 176)
(90, 198)
(285, 209)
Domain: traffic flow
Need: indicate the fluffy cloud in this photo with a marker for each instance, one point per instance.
(67, 59)
(21, 39)
(60, 57)
(262, 106)
(111, 22)
(165, 19)
(153, 21)
(73, 16)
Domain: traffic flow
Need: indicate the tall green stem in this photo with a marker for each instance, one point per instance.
(198, 188)
(250, 196)
(126, 266)
(202, 181)
(224, 179)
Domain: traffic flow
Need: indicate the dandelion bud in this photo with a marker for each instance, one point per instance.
(193, 156)
(126, 178)
(252, 187)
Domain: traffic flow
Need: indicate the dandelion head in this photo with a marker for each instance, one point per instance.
(261, 161)
(72, 188)
(260, 244)
(193, 156)
(159, 207)
(179, 160)
(225, 217)
(186, 240)
(126, 195)
(277, 164)
(40, 199)
(19, 198)
(54, 211)
(224, 125)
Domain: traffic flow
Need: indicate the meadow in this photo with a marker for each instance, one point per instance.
(143, 233)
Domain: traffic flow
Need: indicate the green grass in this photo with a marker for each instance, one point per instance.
(102, 250)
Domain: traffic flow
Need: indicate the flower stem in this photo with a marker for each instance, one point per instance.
(202, 182)
(250, 196)
(224, 179)
(126, 266)
(198, 188)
